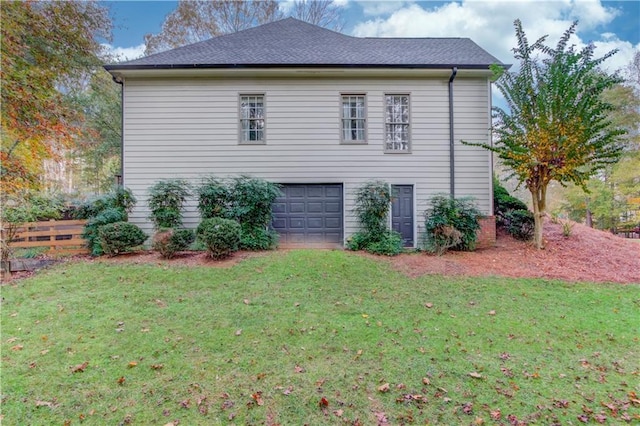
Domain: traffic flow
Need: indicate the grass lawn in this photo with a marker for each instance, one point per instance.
(315, 337)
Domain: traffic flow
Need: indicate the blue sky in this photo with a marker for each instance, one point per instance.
(608, 24)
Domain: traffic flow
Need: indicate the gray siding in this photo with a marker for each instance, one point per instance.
(188, 128)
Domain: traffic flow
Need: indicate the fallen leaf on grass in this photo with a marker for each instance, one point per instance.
(80, 367)
(426, 381)
(132, 364)
(238, 332)
(17, 348)
(298, 369)
(339, 413)
(121, 380)
(467, 408)
(496, 414)
(49, 404)
(475, 375)
(246, 301)
(157, 366)
(428, 305)
(583, 418)
(257, 397)
(288, 390)
(12, 339)
(324, 402)
(383, 388)
(492, 313)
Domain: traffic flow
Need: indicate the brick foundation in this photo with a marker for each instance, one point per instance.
(487, 232)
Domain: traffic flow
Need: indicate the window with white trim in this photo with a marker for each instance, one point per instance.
(396, 132)
(252, 123)
(354, 119)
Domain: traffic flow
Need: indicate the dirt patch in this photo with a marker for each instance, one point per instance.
(587, 255)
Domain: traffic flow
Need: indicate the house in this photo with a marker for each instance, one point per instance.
(318, 112)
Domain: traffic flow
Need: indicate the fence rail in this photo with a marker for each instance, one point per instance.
(60, 236)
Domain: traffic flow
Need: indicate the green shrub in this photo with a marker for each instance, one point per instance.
(372, 204)
(503, 203)
(220, 236)
(170, 241)
(567, 229)
(213, 198)
(520, 224)
(451, 224)
(373, 200)
(166, 199)
(246, 200)
(388, 244)
(14, 211)
(359, 241)
(121, 198)
(256, 238)
(251, 199)
(120, 237)
(91, 229)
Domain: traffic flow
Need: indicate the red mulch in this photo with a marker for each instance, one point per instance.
(587, 255)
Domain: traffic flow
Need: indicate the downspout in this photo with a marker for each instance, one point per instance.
(120, 179)
(452, 167)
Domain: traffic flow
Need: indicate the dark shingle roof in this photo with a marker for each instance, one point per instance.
(291, 42)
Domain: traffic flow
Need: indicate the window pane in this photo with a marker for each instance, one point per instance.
(353, 118)
(397, 122)
(251, 118)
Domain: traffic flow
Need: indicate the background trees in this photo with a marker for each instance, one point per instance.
(613, 195)
(557, 126)
(49, 50)
(197, 20)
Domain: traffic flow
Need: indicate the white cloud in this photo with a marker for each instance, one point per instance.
(121, 54)
(490, 24)
(379, 7)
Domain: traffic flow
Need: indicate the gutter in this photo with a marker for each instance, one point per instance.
(452, 169)
(123, 67)
(120, 179)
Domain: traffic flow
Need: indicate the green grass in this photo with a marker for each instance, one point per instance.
(265, 341)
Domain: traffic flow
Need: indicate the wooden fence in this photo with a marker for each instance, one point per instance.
(60, 236)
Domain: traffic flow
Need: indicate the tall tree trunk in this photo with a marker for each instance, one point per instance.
(539, 195)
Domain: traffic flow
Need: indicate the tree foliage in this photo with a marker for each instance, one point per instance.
(558, 125)
(48, 49)
(612, 197)
(324, 13)
(100, 142)
(197, 20)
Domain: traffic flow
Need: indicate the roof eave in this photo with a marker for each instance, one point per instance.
(124, 67)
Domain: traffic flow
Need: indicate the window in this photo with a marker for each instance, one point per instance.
(396, 133)
(252, 119)
(353, 118)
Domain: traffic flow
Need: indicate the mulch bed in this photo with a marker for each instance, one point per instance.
(587, 255)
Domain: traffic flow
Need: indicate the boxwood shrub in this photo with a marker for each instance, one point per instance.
(120, 237)
(168, 242)
(220, 236)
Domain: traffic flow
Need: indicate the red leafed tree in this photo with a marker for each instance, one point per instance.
(48, 50)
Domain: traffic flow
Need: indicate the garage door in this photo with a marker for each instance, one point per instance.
(309, 215)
